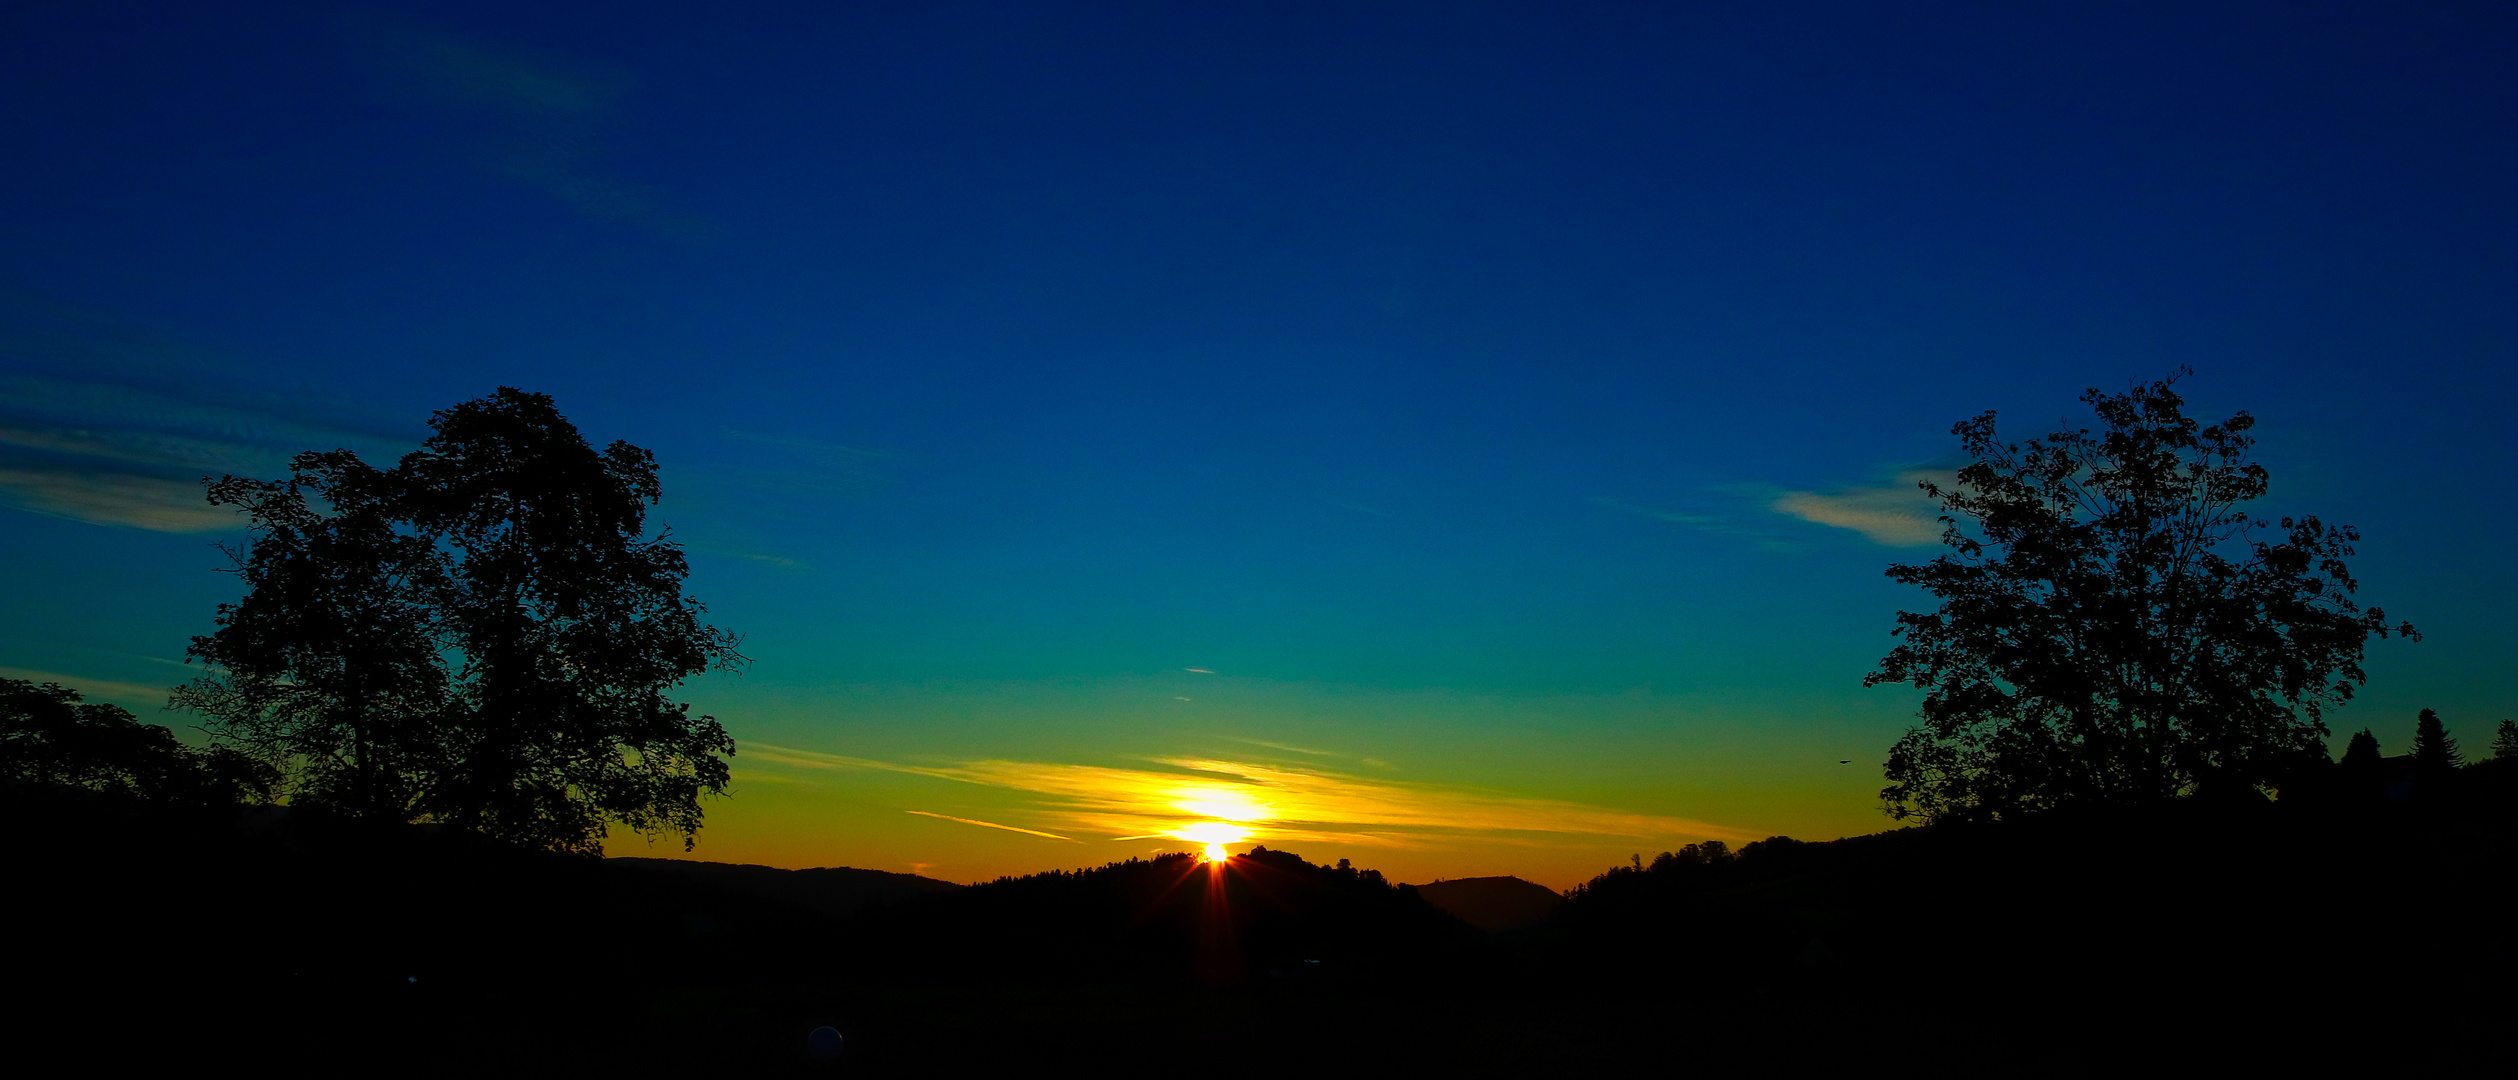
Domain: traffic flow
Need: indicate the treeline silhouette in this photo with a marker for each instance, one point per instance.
(1262, 917)
(51, 738)
(2364, 902)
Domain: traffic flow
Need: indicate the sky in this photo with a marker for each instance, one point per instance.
(1464, 439)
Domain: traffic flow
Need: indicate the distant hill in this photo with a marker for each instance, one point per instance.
(1492, 903)
(836, 891)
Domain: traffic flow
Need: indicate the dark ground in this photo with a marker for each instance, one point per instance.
(2329, 932)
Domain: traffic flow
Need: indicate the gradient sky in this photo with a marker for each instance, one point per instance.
(1470, 435)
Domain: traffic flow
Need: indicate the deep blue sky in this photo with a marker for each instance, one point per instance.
(1435, 374)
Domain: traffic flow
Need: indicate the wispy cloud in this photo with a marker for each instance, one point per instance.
(1288, 748)
(1202, 798)
(551, 114)
(107, 498)
(992, 825)
(1731, 510)
(93, 690)
(794, 466)
(1897, 515)
(1717, 522)
(102, 424)
(780, 561)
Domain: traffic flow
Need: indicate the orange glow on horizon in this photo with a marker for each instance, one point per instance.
(1208, 807)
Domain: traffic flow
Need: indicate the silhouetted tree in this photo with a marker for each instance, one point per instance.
(2361, 754)
(2434, 753)
(1707, 853)
(49, 738)
(482, 635)
(2363, 769)
(2113, 626)
(2505, 742)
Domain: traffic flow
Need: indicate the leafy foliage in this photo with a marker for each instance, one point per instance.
(2114, 627)
(482, 635)
(50, 738)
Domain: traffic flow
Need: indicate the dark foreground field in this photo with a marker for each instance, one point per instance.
(2249, 935)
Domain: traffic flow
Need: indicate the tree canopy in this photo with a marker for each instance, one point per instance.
(51, 738)
(481, 635)
(2115, 626)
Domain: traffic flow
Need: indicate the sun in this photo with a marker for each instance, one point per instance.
(1212, 836)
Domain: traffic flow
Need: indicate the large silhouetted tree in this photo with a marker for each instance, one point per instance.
(2114, 626)
(482, 635)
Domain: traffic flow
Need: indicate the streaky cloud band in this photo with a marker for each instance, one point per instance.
(1272, 801)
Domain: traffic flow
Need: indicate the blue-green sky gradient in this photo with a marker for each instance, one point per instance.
(1503, 403)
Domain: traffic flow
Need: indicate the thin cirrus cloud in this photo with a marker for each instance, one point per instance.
(1290, 748)
(1896, 515)
(747, 475)
(1734, 513)
(1199, 798)
(92, 690)
(794, 466)
(992, 825)
(103, 425)
(1705, 521)
(549, 117)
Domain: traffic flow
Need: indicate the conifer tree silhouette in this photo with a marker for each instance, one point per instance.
(2434, 752)
(2361, 754)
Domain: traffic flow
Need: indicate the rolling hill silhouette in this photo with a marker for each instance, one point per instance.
(835, 891)
(1493, 903)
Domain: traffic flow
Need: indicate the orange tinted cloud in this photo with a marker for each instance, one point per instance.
(1266, 802)
(988, 824)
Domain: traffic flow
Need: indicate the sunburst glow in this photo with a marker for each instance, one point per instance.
(1222, 803)
(1213, 834)
(1216, 853)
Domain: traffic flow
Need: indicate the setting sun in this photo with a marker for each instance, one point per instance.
(1213, 835)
